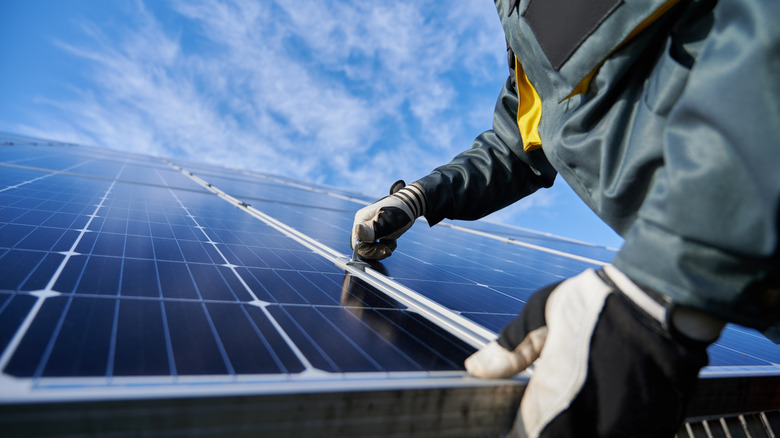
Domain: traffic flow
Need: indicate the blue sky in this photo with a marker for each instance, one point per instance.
(352, 94)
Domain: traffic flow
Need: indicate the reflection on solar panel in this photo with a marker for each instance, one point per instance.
(221, 301)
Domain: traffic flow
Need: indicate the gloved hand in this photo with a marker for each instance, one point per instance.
(377, 226)
(610, 359)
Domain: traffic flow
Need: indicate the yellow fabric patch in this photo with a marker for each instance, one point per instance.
(529, 110)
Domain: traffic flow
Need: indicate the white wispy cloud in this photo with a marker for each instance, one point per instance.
(347, 93)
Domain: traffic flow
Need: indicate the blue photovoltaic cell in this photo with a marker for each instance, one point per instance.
(354, 348)
(140, 340)
(125, 267)
(13, 309)
(124, 167)
(739, 346)
(570, 246)
(151, 280)
(466, 273)
(247, 179)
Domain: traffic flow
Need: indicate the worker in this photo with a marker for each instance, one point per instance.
(664, 117)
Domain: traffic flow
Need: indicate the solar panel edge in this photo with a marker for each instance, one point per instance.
(69, 389)
(385, 413)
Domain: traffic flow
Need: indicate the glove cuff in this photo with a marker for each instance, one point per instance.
(690, 323)
(414, 198)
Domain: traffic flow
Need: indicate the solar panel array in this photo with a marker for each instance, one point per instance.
(124, 275)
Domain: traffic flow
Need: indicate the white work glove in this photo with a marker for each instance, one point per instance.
(377, 226)
(610, 359)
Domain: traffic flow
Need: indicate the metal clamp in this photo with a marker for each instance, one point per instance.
(355, 260)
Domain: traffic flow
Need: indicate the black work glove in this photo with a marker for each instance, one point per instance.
(377, 226)
(610, 359)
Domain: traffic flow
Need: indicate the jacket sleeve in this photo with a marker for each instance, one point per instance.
(494, 173)
(710, 218)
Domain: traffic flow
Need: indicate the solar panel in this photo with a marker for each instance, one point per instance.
(126, 278)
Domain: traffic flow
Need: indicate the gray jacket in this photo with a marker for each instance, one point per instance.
(664, 117)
